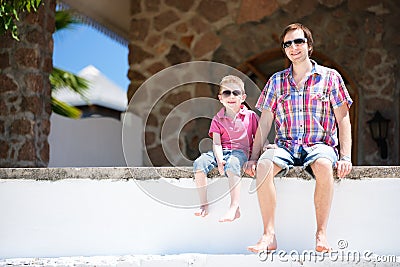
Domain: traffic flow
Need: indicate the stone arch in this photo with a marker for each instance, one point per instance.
(261, 66)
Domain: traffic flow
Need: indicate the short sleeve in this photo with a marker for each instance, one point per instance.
(267, 99)
(339, 94)
(214, 127)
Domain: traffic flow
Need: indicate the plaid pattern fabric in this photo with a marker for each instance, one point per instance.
(304, 117)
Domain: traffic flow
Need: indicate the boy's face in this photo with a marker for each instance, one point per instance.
(231, 96)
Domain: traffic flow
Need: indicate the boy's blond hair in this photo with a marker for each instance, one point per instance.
(232, 79)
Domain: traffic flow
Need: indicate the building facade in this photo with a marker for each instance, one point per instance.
(356, 37)
(359, 38)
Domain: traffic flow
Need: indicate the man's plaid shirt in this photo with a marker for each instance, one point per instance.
(304, 116)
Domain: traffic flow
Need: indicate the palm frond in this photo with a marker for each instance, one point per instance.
(65, 20)
(64, 79)
(64, 109)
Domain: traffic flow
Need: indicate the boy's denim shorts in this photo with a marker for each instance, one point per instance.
(284, 159)
(234, 159)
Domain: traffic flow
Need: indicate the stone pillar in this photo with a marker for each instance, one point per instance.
(25, 90)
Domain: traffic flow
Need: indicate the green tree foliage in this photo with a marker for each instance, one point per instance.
(10, 11)
(64, 20)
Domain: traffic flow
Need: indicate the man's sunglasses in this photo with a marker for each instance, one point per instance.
(227, 93)
(297, 41)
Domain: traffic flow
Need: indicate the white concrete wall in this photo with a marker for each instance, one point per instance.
(93, 142)
(83, 217)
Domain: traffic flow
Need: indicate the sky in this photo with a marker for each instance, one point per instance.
(82, 45)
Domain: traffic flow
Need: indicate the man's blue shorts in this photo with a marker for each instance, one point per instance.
(285, 160)
(234, 159)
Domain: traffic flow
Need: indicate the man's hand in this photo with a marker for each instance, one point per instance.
(269, 146)
(343, 168)
(250, 167)
(221, 169)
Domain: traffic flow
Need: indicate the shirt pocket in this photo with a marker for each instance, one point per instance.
(284, 103)
(284, 109)
(320, 104)
(323, 97)
(319, 100)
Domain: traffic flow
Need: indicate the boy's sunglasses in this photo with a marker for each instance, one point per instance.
(227, 93)
(297, 41)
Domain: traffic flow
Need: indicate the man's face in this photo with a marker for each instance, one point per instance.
(296, 46)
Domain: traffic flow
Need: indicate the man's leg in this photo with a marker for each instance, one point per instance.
(266, 193)
(323, 171)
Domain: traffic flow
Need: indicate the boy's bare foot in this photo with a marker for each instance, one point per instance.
(267, 243)
(203, 211)
(321, 243)
(231, 215)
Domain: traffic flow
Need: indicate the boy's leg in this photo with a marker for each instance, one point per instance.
(202, 165)
(233, 168)
(201, 183)
(233, 212)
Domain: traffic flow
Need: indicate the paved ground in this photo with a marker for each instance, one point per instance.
(198, 260)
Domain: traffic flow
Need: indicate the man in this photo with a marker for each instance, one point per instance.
(310, 104)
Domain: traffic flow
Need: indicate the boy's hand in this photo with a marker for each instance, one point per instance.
(249, 167)
(221, 167)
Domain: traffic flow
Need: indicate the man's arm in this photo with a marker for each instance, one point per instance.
(264, 126)
(343, 120)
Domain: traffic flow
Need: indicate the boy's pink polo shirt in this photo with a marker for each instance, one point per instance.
(237, 133)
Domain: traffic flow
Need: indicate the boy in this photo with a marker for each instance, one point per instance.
(232, 130)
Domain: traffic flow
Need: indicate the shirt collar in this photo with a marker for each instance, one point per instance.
(316, 69)
(221, 113)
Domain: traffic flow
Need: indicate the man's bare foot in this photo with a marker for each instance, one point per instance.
(231, 215)
(203, 211)
(267, 243)
(321, 244)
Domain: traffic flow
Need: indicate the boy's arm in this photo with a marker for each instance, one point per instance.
(217, 149)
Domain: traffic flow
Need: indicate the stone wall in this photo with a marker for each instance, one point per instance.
(360, 36)
(25, 92)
